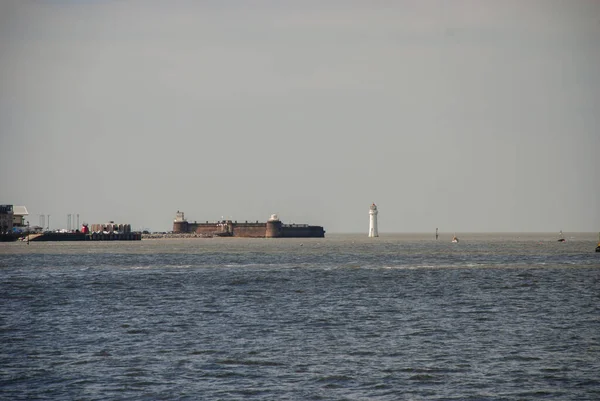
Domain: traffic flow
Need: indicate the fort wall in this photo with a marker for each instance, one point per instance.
(206, 228)
(270, 229)
(252, 230)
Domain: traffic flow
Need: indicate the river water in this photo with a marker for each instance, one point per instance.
(400, 317)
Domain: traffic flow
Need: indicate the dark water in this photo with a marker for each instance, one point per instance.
(343, 318)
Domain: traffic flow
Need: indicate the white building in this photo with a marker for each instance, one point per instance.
(11, 217)
(19, 214)
(373, 221)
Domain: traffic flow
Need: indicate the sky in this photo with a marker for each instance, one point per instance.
(467, 116)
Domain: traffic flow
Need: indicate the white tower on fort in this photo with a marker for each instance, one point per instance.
(179, 217)
(373, 221)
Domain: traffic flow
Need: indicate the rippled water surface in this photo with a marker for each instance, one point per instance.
(400, 317)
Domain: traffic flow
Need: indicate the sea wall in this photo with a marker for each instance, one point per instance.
(302, 231)
(77, 236)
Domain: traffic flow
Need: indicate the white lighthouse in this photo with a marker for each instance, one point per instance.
(373, 221)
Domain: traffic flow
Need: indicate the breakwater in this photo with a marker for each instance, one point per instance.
(77, 236)
(175, 235)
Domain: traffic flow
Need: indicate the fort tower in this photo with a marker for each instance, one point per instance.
(273, 227)
(180, 224)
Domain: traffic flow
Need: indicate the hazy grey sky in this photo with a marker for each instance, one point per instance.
(462, 115)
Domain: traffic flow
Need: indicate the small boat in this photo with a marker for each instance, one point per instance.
(598, 247)
(455, 239)
(561, 238)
